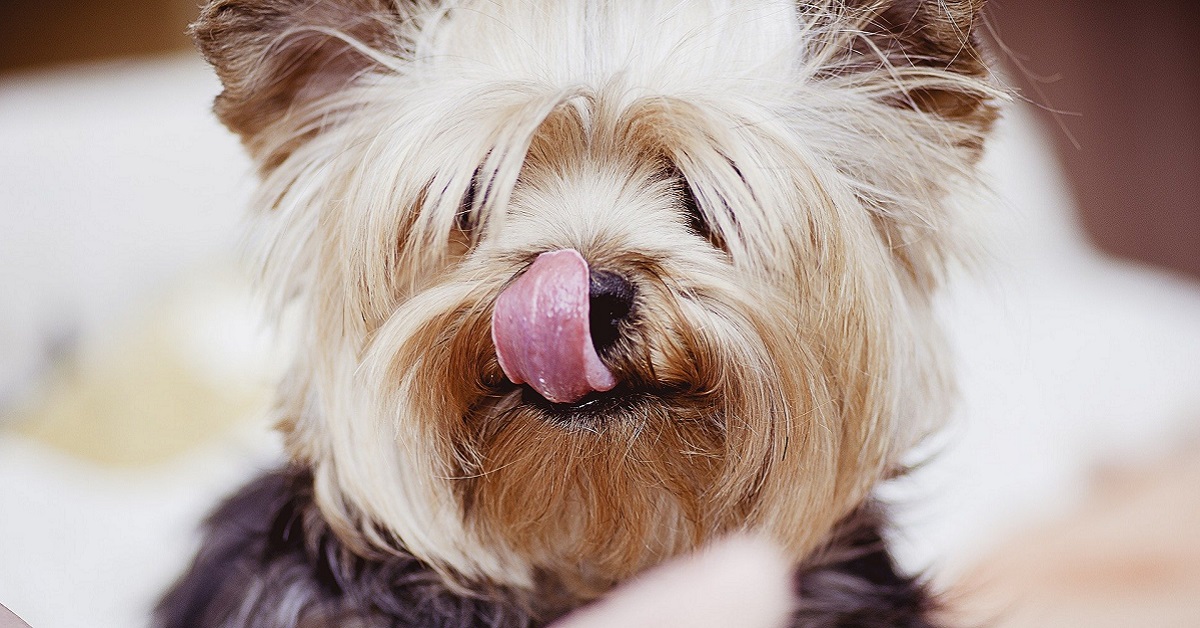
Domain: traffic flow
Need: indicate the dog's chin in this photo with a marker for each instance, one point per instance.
(613, 482)
(597, 410)
(625, 406)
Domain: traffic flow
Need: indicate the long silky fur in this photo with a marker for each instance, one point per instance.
(780, 358)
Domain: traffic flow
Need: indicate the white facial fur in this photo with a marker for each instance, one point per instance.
(579, 122)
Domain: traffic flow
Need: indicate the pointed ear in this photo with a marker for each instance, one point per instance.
(930, 35)
(275, 55)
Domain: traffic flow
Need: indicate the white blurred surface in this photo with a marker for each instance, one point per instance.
(88, 547)
(1067, 359)
(115, 181)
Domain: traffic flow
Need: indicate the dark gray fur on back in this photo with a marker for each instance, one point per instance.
(269, 561)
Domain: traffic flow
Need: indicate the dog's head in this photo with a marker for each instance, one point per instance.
(581, 285)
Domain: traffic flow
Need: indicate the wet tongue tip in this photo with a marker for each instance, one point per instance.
(542, 333)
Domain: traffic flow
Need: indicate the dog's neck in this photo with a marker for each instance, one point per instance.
(268, 552)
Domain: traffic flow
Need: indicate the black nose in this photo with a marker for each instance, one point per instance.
(611, 302)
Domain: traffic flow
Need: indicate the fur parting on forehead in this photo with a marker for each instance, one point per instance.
(664, 45)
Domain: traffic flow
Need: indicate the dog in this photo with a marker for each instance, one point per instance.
(579, 286)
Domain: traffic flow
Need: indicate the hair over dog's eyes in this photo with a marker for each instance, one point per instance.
(696, 220)
(466, 220)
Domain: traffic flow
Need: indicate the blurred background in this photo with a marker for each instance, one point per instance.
(1118, 92)
(135, 376)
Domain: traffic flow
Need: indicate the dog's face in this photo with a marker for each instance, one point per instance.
(583, 284)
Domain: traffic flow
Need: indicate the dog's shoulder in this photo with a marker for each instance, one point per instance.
(268, 560)
(857, 584)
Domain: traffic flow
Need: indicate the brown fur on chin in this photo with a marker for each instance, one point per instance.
(771, 178)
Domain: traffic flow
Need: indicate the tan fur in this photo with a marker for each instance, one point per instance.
(771, 380)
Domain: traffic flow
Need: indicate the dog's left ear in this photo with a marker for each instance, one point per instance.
(930, 34)
(273, 56)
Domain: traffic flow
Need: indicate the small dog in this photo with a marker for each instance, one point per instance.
(583, 285)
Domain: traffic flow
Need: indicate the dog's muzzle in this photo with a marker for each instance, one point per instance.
(548, 325)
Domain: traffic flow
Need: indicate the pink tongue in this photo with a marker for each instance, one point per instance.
(542, 331)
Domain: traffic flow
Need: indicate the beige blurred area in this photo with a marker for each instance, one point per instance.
(1126, 557)
(156, 379)
(156, 385)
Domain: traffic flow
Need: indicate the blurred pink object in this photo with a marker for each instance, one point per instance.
(742, 582)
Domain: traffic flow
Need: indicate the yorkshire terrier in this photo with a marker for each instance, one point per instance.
(584, 285)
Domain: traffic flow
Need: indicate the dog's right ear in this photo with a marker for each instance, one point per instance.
(937, 34)
(273, 56)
